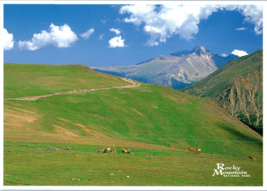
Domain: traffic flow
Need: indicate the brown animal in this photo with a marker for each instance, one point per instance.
(253, 158)
(213, 154)
(198, 151)
(107, 150)
(191, 149)
(125, 151)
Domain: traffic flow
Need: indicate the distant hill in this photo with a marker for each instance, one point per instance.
(23, 80)
(178, 70)
(237, 86)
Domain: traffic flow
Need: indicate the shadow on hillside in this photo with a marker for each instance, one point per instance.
(258, 130)
(239, 135)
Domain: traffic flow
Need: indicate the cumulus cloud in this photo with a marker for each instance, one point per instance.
(116, 42)
(240, 29)
(253, 14)
(164, 21)
(87, 34)
(239, 53)
(139, 13)
(58, 36)
(8, 42)
(117, 31)
(224, 55)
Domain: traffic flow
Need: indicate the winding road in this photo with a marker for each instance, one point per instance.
(32, 98)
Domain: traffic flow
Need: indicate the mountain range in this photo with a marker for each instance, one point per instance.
(178, 70)
(238, 87)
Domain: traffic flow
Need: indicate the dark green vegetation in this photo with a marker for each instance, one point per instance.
(148, 119)
(237, 86)
(22, 80)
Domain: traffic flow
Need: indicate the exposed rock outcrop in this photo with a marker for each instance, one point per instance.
(238, 87)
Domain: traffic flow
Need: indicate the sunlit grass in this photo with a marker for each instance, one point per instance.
(149, 120)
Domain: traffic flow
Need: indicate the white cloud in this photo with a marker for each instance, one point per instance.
(87, 34)
(8, 42)
(101, 37)
(240, 29)
(138, 12)
(224, 55)
(253, 14)
(164, 21)
(116, 42)
(58, 36)
(117, 31)
(239, 53)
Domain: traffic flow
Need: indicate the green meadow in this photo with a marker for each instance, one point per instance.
(22, 80)
(34, 164)
(156, 123)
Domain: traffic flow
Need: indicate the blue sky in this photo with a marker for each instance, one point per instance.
(106, 35)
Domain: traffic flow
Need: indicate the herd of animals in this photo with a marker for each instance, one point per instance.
(198, 151)
(192, 149)
(113, 151)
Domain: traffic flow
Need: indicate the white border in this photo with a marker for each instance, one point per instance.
(72, 2)
(264, 187)
(2, 96)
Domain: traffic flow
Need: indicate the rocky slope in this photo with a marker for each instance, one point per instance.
(178, 70)
(238, 87)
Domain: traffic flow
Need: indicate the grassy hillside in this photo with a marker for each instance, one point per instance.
(237, 86)
(148, 119)
(23, 80)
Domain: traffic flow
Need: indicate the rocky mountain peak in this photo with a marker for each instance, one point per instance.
(178, 69)
(198, 50)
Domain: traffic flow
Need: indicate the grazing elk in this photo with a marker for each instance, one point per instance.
(253, 158)
(198, 151)
(191, 149)
(107, 150)
(125, 151)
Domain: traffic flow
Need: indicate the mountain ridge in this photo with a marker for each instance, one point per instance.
(237, 86)
(178, 69)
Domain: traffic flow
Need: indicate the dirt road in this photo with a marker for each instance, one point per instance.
(32, 98)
